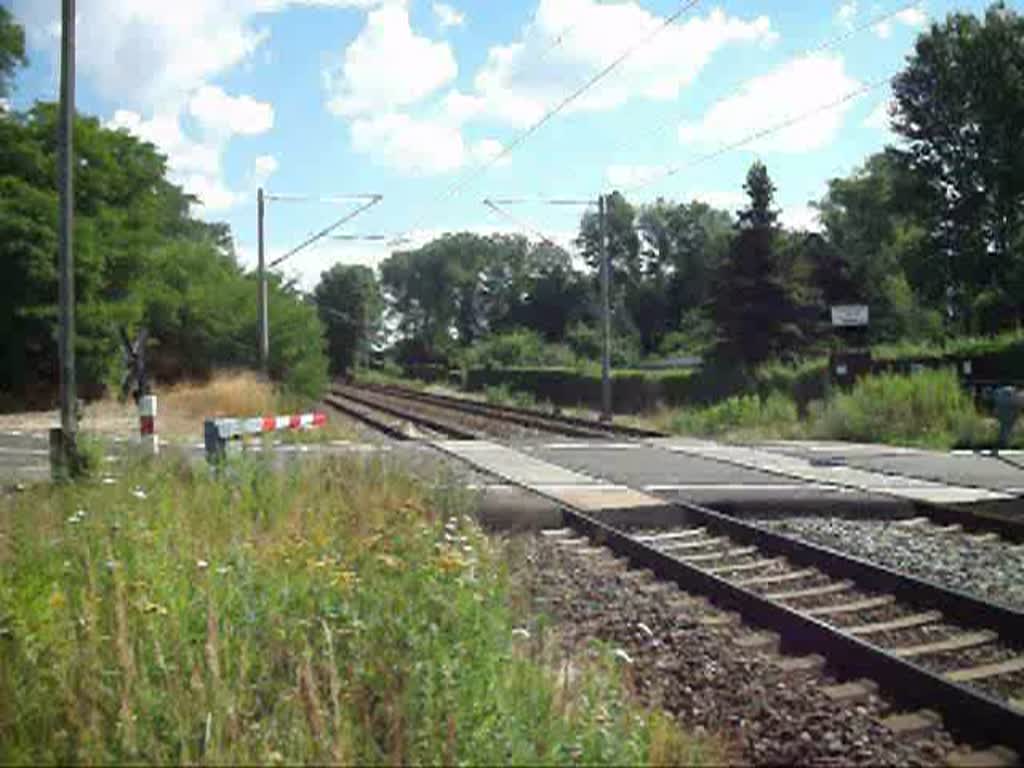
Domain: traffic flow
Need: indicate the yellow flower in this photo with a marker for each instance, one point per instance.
(345, 580)
(450, 562)
(57, 600)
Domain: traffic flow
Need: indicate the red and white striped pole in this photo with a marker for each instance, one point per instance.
(147, 425)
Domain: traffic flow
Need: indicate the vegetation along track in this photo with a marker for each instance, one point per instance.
(926, 646)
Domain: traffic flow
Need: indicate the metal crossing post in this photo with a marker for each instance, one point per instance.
(63, 455)
(606, 323)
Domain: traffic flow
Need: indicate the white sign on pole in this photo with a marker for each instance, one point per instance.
(849, 315)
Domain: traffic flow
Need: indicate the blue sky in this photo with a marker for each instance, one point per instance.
(412, 99)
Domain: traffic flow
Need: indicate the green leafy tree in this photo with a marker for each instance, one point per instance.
(350, 306)
(751, 302)
(12, 50)
(960, 106)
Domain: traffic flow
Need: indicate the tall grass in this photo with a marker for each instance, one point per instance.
(342, 612)
(928, 408)
(740, 416)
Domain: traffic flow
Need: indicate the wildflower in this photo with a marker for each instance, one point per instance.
(111, 564)
(224, 569)
(202, 565)
(138, 493)
(57, 600)
(108, 480)
(345, 579)
(389, 560)
(151, 607)
(622, 656)
(450, 562)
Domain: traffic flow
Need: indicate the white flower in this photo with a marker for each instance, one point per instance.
(202, 565)
(111, 564)
(138, 493)
(108, 480)
(223, 569)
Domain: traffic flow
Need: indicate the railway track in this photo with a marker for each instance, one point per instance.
(927, 647)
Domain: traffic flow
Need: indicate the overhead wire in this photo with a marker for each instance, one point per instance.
(374, 199)
(764, 132)
(565, 102)
(827, 44)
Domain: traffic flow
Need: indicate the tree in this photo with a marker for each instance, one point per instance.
(751, 303)
(350, 306)
(960, 106)
(12, 50)
(877, 250)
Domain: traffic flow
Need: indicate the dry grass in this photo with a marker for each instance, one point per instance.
(232, 393)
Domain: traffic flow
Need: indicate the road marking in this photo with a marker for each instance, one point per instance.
(25, 451)
(740, 487)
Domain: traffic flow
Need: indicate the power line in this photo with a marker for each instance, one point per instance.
(495, 205)
(827, 44)
(569, 99)
(374, 199)
(760, 134)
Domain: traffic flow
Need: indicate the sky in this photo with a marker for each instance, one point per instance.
(439, 105)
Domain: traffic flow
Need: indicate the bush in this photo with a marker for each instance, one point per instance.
(927, 408)
(517, 348)
(775, 415)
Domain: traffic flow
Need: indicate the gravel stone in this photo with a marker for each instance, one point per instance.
(991, 570)
(701, 676)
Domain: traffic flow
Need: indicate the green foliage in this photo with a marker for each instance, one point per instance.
(12, 50)
(928, 408)
(516, 349)
(343, 613)
(959, 106)
(753, 304)
(750, 415)
(140, 259)
(351, 307)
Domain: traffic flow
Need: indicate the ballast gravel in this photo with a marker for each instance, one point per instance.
(992, 570)
(699, 674)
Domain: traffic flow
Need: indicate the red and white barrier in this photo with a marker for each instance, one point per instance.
(216, 432)
(147, 425)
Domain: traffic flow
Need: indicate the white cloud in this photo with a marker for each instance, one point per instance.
(195, 163)
(915, 18)
(149, 53)
(219, 113)
(387, 66)
(847, 13)
(486, 150)
(726, 200)
(794, 89)
(627, 176)
(5, 105)
(409, 144)
(801, 217)
(447, 16)
(879, 117)
(569, 41)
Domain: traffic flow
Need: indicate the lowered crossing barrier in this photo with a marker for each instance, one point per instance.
(217, 432)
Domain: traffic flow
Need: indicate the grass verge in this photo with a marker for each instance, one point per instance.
(340, 612)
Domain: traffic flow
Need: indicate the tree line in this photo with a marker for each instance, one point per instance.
(141, 259)
(929, 233)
